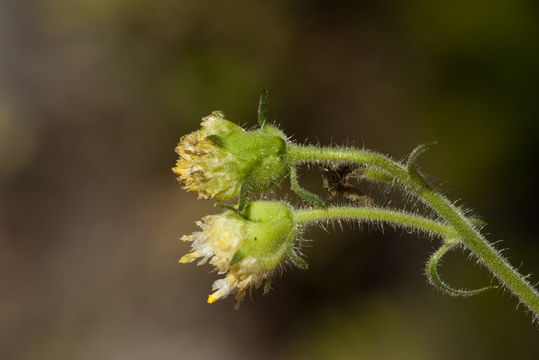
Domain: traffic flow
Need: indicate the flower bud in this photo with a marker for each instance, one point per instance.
(247, 250)
(217, 160)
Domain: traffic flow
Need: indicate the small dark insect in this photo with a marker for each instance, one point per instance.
(341, 180)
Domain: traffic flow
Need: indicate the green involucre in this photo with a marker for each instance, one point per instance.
(269, 234)
(258, 158)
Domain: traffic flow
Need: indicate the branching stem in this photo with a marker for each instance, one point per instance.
(415, 184)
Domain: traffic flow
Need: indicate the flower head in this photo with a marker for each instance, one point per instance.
(247, 250)
(221, 157)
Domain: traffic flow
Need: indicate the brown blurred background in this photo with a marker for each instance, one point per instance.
(95, 94)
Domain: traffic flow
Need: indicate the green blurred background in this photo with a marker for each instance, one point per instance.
(95, 94)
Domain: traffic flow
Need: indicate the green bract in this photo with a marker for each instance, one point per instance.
(270, 233)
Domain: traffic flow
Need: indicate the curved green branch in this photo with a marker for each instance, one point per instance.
(432, 273)
(399, 218)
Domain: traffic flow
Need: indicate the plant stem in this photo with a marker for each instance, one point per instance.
(298, 154)
(485, 252)
(399, 218)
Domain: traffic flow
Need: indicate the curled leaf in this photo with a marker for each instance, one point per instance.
(418, 151)
(262, 109)
(434, 277)
(304, 194)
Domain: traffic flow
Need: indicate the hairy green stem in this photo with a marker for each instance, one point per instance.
(298, 154)
(399, 218)
(484, 251)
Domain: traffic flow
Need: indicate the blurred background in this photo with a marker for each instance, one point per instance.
(95, 94)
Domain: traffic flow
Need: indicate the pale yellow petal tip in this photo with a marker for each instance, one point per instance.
(212, 298)
(187, 258)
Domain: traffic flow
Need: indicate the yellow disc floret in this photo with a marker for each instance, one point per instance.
(203, 167)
